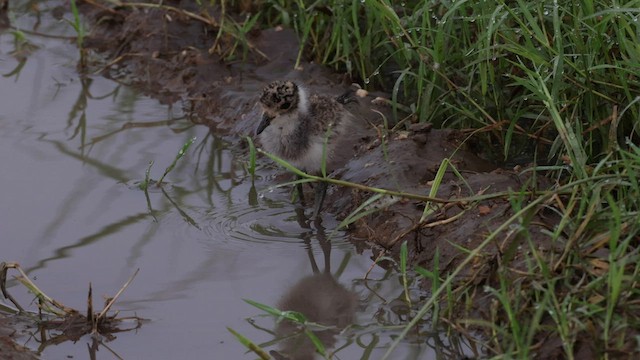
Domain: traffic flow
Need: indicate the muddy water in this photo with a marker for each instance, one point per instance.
(71, 151)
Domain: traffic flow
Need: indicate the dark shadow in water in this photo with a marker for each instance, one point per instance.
(104, 232)
(4, 18)
(320, 298)
(214, 168)
(49, 335)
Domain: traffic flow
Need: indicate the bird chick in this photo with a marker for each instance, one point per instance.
(304, 129)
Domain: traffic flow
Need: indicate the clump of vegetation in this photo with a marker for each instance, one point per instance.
(58, 323)
(509, 70)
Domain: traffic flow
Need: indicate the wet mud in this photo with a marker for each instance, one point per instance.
(174, 56)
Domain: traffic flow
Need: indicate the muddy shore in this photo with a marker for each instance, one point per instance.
(171, 57)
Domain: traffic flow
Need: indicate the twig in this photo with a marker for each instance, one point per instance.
(113, 300)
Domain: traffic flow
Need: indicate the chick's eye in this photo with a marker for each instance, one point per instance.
(285, 106)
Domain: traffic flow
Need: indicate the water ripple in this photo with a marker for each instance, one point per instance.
(278, 226)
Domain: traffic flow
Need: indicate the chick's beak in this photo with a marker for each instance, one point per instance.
(266, 120)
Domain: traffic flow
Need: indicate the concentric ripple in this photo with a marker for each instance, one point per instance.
(241, 219)
(275, 226)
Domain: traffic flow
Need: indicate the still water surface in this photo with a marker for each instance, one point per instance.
(71, 150)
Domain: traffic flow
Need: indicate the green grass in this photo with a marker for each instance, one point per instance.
(78, 27)
(144, 185)
(307, 327)
(77, 24)
(147, 181)
(523, 70)
(587, 293)
(179, 156)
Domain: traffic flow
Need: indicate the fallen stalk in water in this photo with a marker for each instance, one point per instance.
(56, 316)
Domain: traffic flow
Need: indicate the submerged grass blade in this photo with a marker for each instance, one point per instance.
(144, 186)
(252, 157)
(316, 342)
(288, 315)
(250, 345)
(180, 154)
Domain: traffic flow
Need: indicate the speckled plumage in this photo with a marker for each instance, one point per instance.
(295, 125)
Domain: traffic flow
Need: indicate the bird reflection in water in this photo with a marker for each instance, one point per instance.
(322, 300)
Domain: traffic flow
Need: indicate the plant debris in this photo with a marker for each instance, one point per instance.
(58, 323)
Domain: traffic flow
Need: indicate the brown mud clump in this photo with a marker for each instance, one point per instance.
(174, 54)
